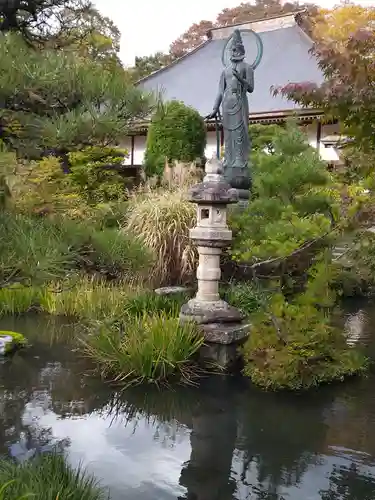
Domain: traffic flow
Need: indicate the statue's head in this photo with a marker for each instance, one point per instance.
(237, 48)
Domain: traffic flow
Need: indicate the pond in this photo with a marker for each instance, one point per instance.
(224, 440)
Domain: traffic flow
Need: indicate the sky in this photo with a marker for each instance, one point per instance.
(149, 26)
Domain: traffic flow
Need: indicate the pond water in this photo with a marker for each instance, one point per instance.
(224, 440)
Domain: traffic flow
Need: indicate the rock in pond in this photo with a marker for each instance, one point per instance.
(10, 342)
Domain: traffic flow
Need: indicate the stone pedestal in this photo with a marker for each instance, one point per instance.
(221, 324)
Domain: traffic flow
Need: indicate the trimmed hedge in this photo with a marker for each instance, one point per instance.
(177, 132)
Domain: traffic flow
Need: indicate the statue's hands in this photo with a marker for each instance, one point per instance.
(211, 115)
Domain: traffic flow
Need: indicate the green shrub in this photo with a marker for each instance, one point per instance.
(95, 172)
(48, 477)
(34, 250)
(293, 344)
(42, 187)
(110, 215)
(356, 272)
(293, 199)
(177, 132)
(150, 348)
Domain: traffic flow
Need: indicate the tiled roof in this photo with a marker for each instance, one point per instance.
(194, 78)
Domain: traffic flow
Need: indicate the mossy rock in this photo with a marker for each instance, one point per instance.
(11, 341)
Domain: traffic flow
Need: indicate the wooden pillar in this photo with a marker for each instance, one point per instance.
(318, 135)
(132, 151)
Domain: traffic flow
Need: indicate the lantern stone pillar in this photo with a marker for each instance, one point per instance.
(221, 324)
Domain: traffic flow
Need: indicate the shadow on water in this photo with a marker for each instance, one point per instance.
(222, 441)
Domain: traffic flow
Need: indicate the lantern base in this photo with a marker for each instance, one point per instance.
(222, 343)
(205, 312)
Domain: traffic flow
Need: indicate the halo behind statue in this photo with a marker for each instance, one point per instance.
(225, 56)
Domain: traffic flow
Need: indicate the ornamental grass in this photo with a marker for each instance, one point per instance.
(146, 348)
(161, 220)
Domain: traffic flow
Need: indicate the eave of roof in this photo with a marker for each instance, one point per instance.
(301, 115)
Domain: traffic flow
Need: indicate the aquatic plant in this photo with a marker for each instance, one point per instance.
(48, 477)
(151, 347)
(161, 221)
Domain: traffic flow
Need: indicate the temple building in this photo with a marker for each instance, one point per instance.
(194, 78)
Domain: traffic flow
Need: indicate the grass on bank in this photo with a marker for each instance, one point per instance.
(35, 250)
(48, 477)
(86, 299)
(144, 348)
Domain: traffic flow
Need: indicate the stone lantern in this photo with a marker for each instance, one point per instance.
(222, 325)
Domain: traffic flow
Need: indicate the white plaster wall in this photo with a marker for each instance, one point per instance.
(311, 131)
(126, 143)
(328, 154)
(139, 149)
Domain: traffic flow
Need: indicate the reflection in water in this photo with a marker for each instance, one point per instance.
(347, 483)
(221, 441)
(355, 327)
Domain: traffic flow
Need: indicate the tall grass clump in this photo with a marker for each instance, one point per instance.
(121, 254)
(32, 250)
(151, 303)
(161, 220)
(86, 298)
(147, 348)
(245, 296)
(18, 299)
(48, 477)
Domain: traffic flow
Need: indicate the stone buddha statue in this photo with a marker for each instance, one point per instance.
(236, 80)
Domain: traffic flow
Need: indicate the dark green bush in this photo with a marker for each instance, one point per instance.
(292, 201)
(177, 132)
(293, 344)
(356, 270)
(95, 173)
